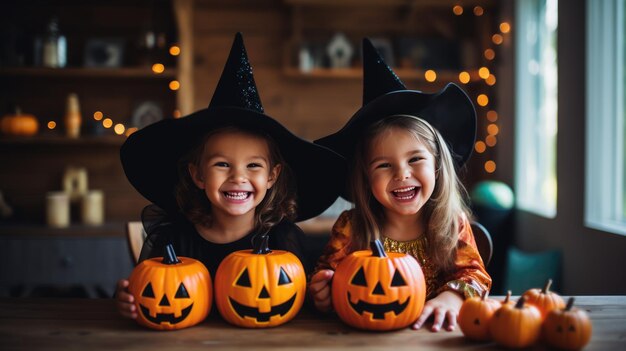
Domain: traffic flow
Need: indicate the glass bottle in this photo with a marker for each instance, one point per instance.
(54, 48)
(73, 118)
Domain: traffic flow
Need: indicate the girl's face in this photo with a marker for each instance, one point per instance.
(401, 172)
(235, 172)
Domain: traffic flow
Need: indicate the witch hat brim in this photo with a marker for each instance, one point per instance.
(150, 155)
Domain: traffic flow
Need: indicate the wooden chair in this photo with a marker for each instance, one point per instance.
(135, 236)
(483, 241)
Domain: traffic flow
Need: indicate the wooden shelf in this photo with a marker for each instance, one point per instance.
(106, 140)
(84, 72)
(357, 73)
(108, 229)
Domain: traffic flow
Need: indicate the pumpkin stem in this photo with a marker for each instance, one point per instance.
(377, 248)
(169, 257)
(260, 245)
(508, 296)
(546, 287)
(520, 302)
(570, 304)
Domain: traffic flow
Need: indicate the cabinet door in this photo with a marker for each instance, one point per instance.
(64, 261)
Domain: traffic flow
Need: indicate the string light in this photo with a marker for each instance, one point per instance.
(119, 129)
(174, 50)
(493, 129)
(458, 10)
(480, 147)
(107, 123)
(174, 85)
(492, 116)
(464, 77)
(130, 131)
(98, 115)
(491, 140)
(430, 75)
(482, 100)
(177, 114)
(505, 27)
(158, 68)
(497, 39)
(52, 125)
(483, 72)
(490, 54)
(478, 11)
(490, 166)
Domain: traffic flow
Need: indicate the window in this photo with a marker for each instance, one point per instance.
(605, 203)
(536, 106)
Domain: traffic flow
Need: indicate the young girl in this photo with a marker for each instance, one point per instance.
(406, 191)
(223, 175)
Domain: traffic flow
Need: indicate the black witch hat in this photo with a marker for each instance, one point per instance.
(449, 110)
(150, 155)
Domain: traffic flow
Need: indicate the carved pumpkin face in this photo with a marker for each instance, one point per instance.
(475, 316)
(378, 291)
(259, 288)
(171, 292)
(567, 329)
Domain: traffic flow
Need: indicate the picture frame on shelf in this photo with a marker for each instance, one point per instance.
(104, 52)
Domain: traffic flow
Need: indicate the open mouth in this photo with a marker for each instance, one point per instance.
(237, 195)
(252, 312)
(406, 193)
(378, 310)
(165, 317)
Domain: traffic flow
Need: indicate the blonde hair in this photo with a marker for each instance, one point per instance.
(441, 213)
(279, 202)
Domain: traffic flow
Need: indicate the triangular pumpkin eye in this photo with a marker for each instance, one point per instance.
(181, 293)
(283, 278)
(359, 278)
(397, 279)
(147, 291)
(244, 279)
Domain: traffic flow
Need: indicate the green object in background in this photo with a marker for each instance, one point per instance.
(526, 270)
(493, 194)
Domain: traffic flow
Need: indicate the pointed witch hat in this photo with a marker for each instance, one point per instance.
(150, 155)
(449, 110)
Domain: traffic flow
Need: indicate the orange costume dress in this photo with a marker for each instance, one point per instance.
(468, 278)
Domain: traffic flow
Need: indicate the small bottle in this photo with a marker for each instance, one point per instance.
(73, 118)
(54, 48)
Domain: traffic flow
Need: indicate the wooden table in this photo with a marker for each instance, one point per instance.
(91, 324)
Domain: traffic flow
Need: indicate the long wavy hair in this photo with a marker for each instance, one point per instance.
(279, 202)
(441, 213)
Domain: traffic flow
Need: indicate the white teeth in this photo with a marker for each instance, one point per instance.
(402, 190)
(236, 195)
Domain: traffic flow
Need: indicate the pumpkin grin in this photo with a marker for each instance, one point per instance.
(165, 317)
(378, 310)
(247, 311)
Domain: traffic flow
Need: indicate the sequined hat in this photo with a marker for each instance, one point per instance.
(449, 110)
(150, 155)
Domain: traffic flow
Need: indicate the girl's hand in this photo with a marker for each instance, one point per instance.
(125, 301)
(319, 289)
(444, 307)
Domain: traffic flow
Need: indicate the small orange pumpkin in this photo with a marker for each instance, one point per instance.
(475, 315)
(171, 292)
(516, 326)
(375, 290)
(567, 329)
(260, 288)
(20, 124)
(544, 299)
